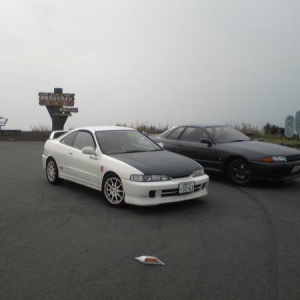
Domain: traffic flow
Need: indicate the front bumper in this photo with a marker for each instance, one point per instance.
(154, 193)
(276, 171)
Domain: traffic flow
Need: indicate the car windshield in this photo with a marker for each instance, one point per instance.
(224, 134)
(124, 141)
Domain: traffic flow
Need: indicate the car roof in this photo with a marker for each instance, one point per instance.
(103, 128)
(201, 125)
(60, 134)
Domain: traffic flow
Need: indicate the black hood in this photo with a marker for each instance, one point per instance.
(159, 163)
(255, 150)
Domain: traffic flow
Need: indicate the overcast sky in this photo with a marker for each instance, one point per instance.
(159, 62)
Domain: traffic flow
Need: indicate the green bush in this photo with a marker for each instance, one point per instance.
(142, 127)
(40, 128)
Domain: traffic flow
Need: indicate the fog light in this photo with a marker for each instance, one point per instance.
(152, 194)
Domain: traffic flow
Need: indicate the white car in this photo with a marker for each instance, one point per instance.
(127, 166)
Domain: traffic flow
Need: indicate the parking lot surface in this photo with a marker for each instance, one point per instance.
(65, 242)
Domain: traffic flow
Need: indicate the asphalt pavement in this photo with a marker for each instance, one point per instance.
(65, 242)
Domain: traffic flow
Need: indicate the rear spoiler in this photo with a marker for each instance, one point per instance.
(57, 133)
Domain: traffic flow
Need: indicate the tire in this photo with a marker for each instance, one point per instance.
(113, 191)
(52, 171)
(239, 172)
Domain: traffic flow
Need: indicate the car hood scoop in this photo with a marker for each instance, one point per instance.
(159, 163)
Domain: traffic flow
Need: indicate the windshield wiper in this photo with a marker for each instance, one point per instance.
(239, 141)
(134, 151)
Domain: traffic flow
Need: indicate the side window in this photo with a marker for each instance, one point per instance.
(84, 139)
(193, 134)
(69, 139)
(175, 134)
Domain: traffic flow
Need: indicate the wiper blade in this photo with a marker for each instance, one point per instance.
(134, 151)
(239, 141)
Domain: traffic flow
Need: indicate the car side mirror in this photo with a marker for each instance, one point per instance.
(161, 144)
(88, 150)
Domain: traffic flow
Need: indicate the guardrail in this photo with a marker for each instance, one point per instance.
(18, 135)
(10, 131)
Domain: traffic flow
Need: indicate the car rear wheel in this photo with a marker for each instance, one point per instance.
(239, 172)
(113, 190)
(52, 171)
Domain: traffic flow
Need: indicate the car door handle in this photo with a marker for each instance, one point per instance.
(71, 153)
(93, 157)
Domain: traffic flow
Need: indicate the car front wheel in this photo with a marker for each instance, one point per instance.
(113, 190)
(239, 172)
(52, 171)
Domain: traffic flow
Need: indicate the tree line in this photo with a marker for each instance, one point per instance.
(273, 129)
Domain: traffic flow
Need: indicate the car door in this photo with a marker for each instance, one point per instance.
(64, 146)
(194, 143)
(82, 167)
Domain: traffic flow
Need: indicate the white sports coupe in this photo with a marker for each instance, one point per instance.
(125, 165)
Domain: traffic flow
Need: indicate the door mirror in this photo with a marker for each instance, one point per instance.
(88, 150)
(161, 144)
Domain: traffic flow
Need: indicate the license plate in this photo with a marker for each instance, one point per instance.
(186, 187)
(296, 169)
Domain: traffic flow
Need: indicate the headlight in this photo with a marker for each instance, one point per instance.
(149, 178)
(199, 172)
(273, 159)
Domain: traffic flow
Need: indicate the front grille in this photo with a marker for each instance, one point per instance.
(174, 192)
(181, 176)
(293, 158)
